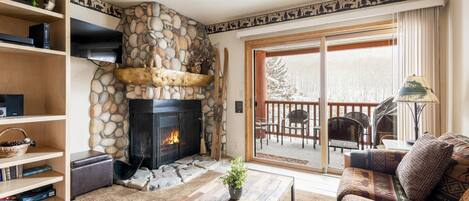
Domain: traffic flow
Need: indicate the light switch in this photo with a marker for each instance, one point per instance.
(238, 106)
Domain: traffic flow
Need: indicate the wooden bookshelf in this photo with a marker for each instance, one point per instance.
(33, 155)
(43, 77)
(31, 119)
(27, 12)
(28, 50)
(13, 187)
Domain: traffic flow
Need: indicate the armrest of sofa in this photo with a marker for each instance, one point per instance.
(465, 196)
(385, 161)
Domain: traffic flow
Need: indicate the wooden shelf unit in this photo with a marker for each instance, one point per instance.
(13, 187)
(22, 49)
(43, 77)
(27, 12)
(31, 119)
(33, 155)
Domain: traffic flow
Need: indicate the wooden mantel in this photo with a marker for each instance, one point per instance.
(161, 77)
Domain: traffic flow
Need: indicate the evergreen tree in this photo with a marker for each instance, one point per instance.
(278, 85)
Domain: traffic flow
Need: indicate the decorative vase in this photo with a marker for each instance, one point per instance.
(205, 67)
(34, 3)
(235, 194)
(49, 4)
(196, 68)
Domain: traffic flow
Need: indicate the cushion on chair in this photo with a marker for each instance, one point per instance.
(423, 166)
(455, 181)
(370, 184)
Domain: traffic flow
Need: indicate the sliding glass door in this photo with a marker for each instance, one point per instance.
(287, 93)
(359, 78)
(317, 99)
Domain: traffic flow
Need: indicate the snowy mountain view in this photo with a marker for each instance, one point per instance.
(358, 75)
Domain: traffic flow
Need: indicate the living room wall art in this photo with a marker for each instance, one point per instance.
(312, 10)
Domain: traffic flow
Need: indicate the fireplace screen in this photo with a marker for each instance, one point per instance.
(164, 131)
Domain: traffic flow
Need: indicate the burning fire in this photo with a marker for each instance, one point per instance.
(173, 137)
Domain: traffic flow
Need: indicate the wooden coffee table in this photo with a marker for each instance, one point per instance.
(259, 186)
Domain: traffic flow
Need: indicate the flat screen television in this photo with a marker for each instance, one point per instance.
(94, 42)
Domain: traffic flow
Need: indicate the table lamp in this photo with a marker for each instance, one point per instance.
(416, 90)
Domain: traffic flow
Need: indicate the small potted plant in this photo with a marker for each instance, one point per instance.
(236, 178)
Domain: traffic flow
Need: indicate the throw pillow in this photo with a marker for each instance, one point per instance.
(422, 168)
(455, 181)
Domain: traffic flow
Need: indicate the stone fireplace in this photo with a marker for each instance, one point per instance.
(176, 39)
(163, 131)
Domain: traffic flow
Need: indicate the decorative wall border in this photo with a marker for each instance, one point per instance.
(100, 6)
(328, 7)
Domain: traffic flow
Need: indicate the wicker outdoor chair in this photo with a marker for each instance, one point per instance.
(363, 119)
(297, 120)
(344, 133)
(384, 121)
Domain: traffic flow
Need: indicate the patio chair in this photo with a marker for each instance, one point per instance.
(297, 120)
(384, 121)
(344, 133)
(363, 119)
(261, 131)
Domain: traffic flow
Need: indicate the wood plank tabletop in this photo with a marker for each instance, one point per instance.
(260, 186)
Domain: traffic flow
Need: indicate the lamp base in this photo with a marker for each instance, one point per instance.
(410, 142)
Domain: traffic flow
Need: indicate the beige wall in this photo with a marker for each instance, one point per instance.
(82, 72)
(235, 121)
(458, 75)
(81, 75)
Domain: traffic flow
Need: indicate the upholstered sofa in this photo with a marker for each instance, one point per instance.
(371, 175)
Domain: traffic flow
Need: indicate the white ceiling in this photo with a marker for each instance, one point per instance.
(214, 11)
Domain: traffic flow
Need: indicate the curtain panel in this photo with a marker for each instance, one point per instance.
(418, 53)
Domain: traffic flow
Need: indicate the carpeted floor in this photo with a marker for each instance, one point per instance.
(120, 193)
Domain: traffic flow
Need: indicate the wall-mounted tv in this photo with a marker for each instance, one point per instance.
(94, 42)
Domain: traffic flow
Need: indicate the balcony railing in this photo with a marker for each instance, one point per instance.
(276, 111)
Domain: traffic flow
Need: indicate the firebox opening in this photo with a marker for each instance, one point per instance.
(172, 137)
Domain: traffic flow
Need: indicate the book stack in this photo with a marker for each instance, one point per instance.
(16, 172)
(36, 170)
(10, 173)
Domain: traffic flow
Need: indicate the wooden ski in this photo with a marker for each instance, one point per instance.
(220, 97)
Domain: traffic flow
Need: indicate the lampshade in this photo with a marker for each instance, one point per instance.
(416, 90)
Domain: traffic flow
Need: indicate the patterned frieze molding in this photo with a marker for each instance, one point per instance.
(312, 10)
(100, 6)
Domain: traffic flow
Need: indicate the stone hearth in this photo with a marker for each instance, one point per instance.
(182, 171)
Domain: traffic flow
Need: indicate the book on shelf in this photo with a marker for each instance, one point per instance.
(36, 170)
(10, 173)
(38, 194)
